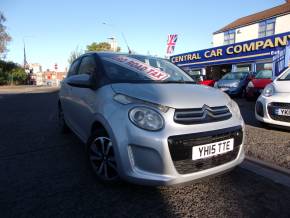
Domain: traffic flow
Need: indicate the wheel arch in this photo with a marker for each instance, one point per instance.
(97, 125)
(100, 123)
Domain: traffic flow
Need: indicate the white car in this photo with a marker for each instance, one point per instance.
(273, 105)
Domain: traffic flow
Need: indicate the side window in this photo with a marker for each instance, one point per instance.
(88, 65)
(73, 68)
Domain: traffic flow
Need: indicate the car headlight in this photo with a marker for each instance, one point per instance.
(250, 85)
(234, 107)
(235, 85)
(125, 99)
(268, 90)
(146, 118)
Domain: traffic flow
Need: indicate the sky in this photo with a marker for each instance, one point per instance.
(52, 29)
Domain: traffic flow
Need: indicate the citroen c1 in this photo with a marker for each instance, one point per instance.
(144, 120)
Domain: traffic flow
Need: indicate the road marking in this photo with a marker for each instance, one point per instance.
(274, 173)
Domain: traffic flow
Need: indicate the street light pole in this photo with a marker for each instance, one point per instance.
(123, 36)
(113, 43)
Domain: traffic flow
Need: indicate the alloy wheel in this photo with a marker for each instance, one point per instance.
(102, 158)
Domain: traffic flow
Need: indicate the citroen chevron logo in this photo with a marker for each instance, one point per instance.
(207, 111)
(206, 108)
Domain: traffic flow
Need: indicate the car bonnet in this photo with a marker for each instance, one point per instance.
(173, 95)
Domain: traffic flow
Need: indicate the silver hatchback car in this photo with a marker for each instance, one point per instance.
(145, 121)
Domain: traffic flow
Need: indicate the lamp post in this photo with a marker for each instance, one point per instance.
(123, 36)
(113, 43)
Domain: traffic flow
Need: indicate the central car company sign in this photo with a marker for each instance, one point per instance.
(265, 47)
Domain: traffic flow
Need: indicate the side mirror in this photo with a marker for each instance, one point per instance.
(80, 81)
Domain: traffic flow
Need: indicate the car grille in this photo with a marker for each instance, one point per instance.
(275, 105)
(180, 148)
(205, 114)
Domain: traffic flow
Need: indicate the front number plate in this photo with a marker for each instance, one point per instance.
(283, 112)
(212, 149)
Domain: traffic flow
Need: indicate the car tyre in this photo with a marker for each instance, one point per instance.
(101, 157)
(63, 127)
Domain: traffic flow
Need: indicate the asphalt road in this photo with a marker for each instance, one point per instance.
(45, 174)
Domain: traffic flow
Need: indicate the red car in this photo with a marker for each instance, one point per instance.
(257, 84)
(208, 82)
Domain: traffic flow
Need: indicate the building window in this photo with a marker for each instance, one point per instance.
(267, 28)
(229, 37)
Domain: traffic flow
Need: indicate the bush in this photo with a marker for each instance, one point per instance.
(11, 72)
(4, 77)
(18, 76)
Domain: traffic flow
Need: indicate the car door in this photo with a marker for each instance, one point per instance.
(65, 93)
(83, 99)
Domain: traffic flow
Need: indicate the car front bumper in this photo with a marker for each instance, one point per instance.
(145, 157)
(266, 114)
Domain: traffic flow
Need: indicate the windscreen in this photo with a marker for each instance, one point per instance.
(235, 76)
(285, 76)
(264, 74)
(130, 68)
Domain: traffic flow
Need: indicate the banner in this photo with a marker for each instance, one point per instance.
(274, 47)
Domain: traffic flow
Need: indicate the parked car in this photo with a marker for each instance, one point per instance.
(149, 124)
(207, 82)
(200, 79)
(256, 86)
(234, 83)
(273, 105)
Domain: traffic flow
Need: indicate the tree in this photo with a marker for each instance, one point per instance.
(4, 36)
(75, 54)
(102, 46)
(18, 76)
(11, 73)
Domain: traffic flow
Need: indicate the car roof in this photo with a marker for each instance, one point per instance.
(104, 53)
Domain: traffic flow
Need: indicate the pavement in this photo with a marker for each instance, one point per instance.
(45, 174)
(26, 89)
